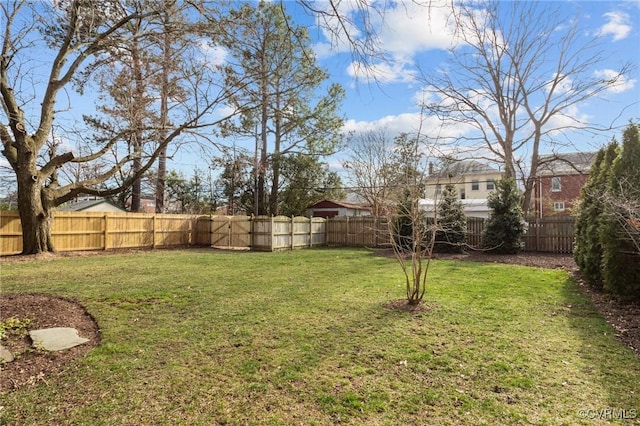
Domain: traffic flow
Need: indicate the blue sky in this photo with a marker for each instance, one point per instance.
(415, 38)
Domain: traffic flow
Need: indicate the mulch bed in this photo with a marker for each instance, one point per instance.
(44, 311)
(32, 366)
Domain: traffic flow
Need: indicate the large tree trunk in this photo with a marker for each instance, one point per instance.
(35, 215)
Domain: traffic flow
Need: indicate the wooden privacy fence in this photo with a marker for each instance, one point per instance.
(104, 231)
(475, 226)
(265, 233)
(358, 231)
(550, 235)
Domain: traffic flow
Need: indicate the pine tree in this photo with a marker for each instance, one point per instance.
(287, 104)
(586, 214)
(620, 256)
(588, 250)
(403, 223)
(505, 229)
(452, 224)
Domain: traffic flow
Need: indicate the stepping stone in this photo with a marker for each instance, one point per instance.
(57, 338)
(5, 355)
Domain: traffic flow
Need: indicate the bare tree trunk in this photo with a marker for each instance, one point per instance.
(275, 162)
(164, 112)
(35, 215)
(136, 189)
(273, 196)
(262, 167)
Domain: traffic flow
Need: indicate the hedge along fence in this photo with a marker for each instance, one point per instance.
(548, 235)
(73, 231)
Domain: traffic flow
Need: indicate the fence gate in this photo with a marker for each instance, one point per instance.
(231, 231)
(241, 231)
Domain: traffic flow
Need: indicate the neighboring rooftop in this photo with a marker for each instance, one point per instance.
(572, 163)
(99, 204)
(463, 167)
(332, 203)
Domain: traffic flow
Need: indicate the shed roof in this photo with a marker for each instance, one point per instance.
(337, 204)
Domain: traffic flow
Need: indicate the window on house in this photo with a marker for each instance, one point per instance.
(558, 206)
(475, 185)
(556, 184)
(462, 194)
(490, 185)
(438, 189)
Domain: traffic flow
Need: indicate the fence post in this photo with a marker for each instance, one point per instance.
(153, 226)
(106, 231)
(293, 225)
(347, 233)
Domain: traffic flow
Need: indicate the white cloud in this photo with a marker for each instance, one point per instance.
(430, 126)
(618, 25)
(383, 72)
(337, 32)
(622, 84)
(570, 118)
(401, 32)
(411, 27)
(213, 55)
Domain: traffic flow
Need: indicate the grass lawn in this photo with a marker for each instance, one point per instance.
(304, 337)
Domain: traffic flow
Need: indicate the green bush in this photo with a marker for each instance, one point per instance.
(587, 250)
(619, 226)
(403, 223)
(506, 226)
(451, 236)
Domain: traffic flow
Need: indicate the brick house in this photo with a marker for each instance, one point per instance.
(558, 182)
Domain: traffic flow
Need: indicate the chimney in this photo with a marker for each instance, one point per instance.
(430, 168)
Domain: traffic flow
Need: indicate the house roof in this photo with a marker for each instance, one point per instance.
(337, 204)
(572, 163)
(87, 204)
(464, 167)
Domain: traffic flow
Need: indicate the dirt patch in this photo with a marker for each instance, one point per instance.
(403, 305)
(44, 311)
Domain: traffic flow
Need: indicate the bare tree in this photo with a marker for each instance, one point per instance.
(412, 232)
(371, 171)
(79, 35)
(352, 25)
(516, 78)
(624, 208)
